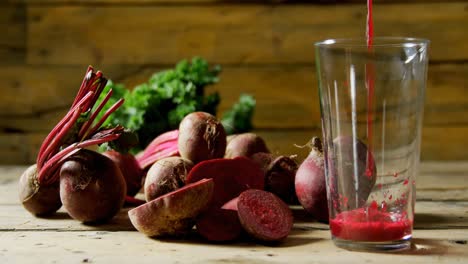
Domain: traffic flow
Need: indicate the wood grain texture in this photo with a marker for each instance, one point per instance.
(228, 34)
(440, 234)
(13, 34)
(22, 148)
(33, 98)
(303, 247)
(265, 48)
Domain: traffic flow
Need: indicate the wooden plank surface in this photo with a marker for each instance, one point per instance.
(242, 34)
(306, 247)
(430, 246)
(441, 233)
(429, 215)
(13, 34)
(262, 47)
(33, 98)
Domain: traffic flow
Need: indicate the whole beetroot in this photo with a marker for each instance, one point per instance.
(245, 144)
(201, 137)
(166, 175)
(280, 173)
(350, 157)
(130, 169)
(92, 188)
(38, 200)
(310, 183)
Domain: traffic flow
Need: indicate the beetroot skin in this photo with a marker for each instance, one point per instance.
(38, 200)
(174, 213)
(130, 169)
(201, 137)
(245, 144)
(166, 175)
(264, 215)
(231, 177)
(92, 188)
(280, 173)
(310, 184)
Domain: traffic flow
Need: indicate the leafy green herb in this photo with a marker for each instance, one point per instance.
(239, 118)
(159, 105)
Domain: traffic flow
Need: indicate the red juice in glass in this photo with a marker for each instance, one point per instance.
(371, 99)
(370, 224)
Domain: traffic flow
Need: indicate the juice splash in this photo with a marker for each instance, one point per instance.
(371, 224)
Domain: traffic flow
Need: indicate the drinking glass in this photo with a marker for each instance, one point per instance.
(371, 101)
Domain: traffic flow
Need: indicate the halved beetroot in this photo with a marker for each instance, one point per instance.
(174, 213)
(231, 177)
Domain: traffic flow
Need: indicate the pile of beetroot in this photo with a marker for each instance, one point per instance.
(196, 176)
(225, 186)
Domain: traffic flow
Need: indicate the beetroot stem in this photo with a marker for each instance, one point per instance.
(84, 85)
(102, 83)
(57, 159)
(88, 123)
(56, 137)
(106, 115)
(57, 129)
(57, 140)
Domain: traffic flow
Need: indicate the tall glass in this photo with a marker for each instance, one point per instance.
(371, 101)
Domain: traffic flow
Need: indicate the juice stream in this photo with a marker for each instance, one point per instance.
(370, 73)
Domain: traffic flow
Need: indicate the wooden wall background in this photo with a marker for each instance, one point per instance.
(264, 47)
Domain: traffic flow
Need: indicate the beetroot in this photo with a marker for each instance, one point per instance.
(219, 225)
(166, 175)
(92, 188)
(310, 184)
(46, 199)
(231, 205)
(346, 164)
(39, 190)
(130, 169)
(279, 174)
(163, 146)
(201, 137)
(264, 215)
(174, 213)
(245, 144)
(231, 177)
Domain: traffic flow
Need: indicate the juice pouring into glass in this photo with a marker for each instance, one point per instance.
(371, 97)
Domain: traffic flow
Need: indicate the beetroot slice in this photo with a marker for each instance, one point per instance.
(231, 205)
(174, 213)
(219, 225)
(230, 176)
(264, 215)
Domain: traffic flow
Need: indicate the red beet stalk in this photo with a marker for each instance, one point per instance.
(76, 130)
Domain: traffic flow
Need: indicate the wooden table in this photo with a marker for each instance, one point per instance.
(440, 236)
